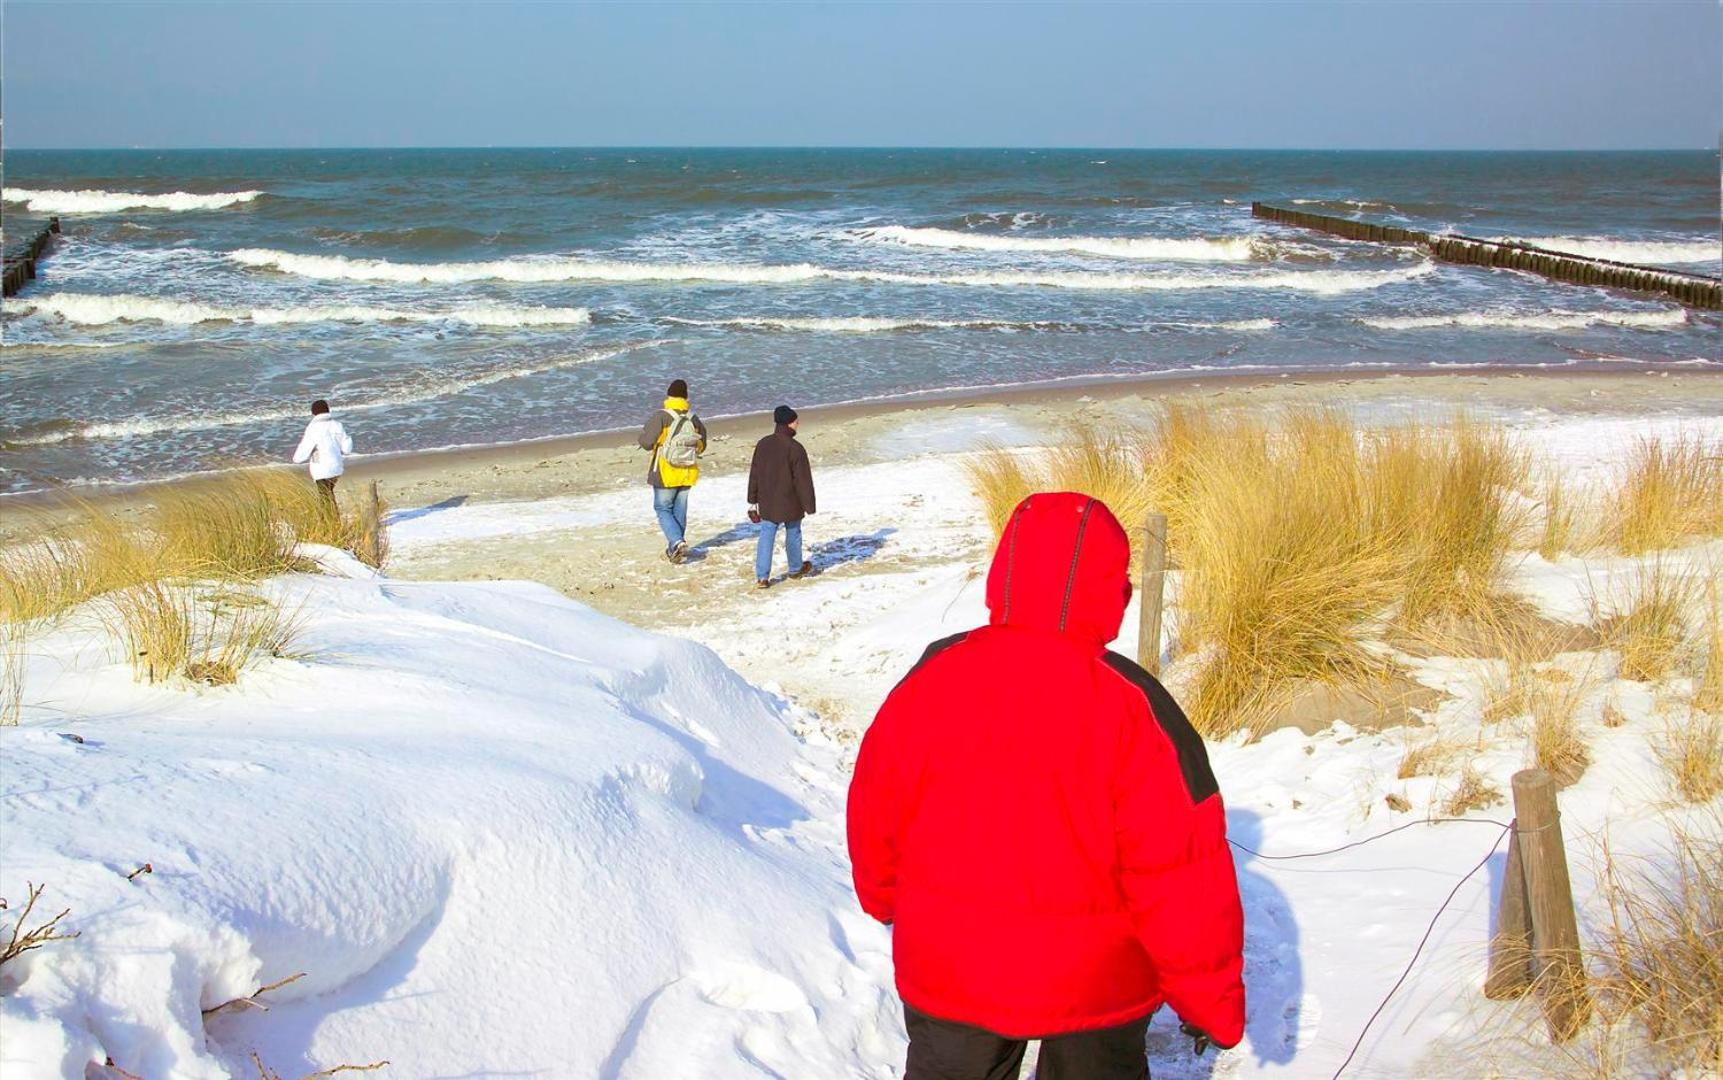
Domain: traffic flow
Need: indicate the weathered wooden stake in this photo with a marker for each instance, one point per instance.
(1511, 947)
(1557, 968)
(1154, 581)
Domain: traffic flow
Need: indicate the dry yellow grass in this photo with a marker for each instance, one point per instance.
(1001, 479)
(1473, 792)
(1428, 758)
(1557, 744)
(154, 622)
(140, 568)
(1659, 960)
(1297, 535)
(1646, 620)
(1557, 528)
(240, 527)
(1671, 490)
(1692, 754)
(1708, 680)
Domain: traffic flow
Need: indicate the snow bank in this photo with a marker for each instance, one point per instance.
(500, 833)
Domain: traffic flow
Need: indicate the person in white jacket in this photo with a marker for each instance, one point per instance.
(325, 446)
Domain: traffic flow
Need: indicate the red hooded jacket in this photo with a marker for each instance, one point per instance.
(1035, 817)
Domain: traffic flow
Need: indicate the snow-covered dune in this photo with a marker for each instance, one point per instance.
(501, 834)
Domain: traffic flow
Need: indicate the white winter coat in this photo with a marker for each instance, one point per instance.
(326, 446)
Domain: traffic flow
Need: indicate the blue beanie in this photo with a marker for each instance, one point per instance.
(783, 414)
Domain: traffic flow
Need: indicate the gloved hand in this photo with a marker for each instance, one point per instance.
(754, 513)
(1200, 1040)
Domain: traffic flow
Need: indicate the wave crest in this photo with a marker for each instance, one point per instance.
(1652, 252)
(91, 309)
(428, 391)
(1177, 249)
(94, 201)
(1543, 320)
(875, 324)
(565, 268)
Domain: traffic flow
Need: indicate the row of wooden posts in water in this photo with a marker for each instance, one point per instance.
(21, 264)
(1694, 290)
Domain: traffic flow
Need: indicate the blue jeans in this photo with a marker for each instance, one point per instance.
(769, 540)
(671, 506)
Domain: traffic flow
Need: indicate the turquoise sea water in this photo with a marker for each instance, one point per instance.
(198, 300)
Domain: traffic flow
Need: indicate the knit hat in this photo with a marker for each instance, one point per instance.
(783, 414)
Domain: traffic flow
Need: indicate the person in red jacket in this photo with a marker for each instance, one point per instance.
(1036, 820)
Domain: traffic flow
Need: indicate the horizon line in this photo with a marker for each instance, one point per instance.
(913, 146)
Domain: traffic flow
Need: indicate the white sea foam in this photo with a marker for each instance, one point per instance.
(1647, 252)
(874, 324)
(1196, 249)
(423, 391)
(1542, 320)
(93, 201)
(862, 324)
(560, 268)
(93, 309)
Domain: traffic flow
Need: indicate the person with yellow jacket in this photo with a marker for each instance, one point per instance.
(676, 438)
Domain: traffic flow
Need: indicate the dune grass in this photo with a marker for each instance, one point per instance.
(1658, 961)
(1646, 620)
(1692, 754)
(153, 622)
(1296, 534)
(139, 569)
(1557, 744)
(1558, 527)
(1708, 680)
(1671, 490)
(1001, 479)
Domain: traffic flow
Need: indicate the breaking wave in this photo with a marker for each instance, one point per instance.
(1194, 249)
(562, 268)
(1545, 320)
(872, 324)
(428, 390)
(93, 201)
(89, 309)
(1651, 252)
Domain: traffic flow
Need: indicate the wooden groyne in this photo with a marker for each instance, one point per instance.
(1694, 290)
(21, 264)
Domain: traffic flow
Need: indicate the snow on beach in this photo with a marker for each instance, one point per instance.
(502, 833)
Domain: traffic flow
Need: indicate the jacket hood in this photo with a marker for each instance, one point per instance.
(676, 404)
(1063, 564)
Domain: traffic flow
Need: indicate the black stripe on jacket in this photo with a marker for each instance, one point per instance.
(1193, 756)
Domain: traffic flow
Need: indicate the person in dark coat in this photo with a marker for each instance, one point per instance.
(780, 494)
(1036, 820)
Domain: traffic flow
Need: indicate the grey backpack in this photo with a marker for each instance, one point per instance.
(682, 445)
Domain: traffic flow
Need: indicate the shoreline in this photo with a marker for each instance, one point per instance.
(423, 465)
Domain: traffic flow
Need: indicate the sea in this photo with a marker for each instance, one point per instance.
(197, 301)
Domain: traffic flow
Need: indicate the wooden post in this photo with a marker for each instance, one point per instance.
(1154, 581)
(1511, 947)
(1557, 968)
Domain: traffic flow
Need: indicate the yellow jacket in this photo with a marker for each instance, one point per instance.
(652, 436)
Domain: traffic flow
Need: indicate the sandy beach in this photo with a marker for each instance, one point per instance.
(574, 513)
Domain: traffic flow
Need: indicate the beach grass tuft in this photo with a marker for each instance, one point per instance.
(1671, 490)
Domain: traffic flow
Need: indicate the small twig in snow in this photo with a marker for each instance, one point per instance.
(23, 940)
(146, 868)
(250, 1000)
(264, 1072)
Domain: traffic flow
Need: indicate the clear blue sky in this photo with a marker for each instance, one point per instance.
(1501, 74)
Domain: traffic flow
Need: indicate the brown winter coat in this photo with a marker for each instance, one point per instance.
(779, 481)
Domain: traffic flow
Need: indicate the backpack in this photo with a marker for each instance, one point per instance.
(682, 445)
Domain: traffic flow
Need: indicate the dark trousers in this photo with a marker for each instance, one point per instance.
(942, 1050)
(326, 488)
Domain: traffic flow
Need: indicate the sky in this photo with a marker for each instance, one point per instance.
(1388, 75)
